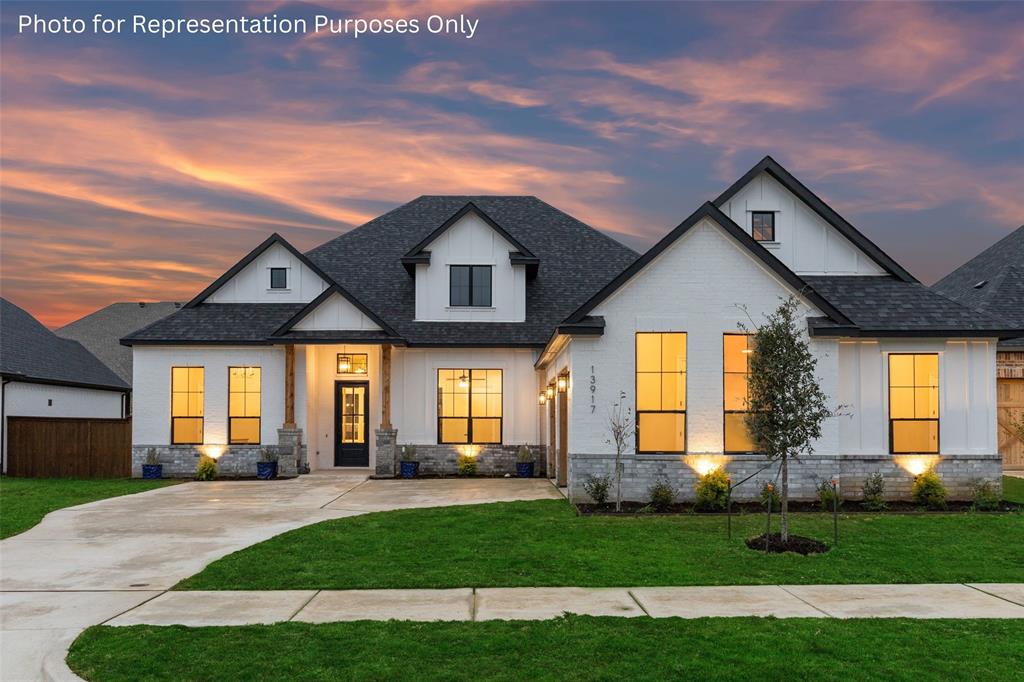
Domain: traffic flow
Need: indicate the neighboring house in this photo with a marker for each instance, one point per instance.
(470, 325)
(47, 376)
(993, 283)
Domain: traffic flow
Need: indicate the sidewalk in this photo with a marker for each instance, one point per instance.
(538, 603)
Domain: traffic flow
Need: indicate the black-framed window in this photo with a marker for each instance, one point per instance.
(762, 226)
(736, 352)
(469, 406)
(470, 286)
(187, 389)
(913, 403)
(660, 392)
(351, 363)
(278, 278)
(244, 405)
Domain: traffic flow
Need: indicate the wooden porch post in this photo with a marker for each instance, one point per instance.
(289, 386)
(385, 389)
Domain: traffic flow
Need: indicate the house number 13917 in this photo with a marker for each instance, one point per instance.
(593, 391)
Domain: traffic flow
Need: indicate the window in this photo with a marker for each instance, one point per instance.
(278, 278)
(351, 363)
(661, 392)
(470, 285)
(187, 405)
(243, 404)
(469, 406)
(913, 402)
(762, 226)
(736, 351)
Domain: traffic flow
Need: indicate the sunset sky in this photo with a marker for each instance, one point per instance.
(140, 168)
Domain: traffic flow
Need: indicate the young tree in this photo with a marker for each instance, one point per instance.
(787, 406)
(620, 425)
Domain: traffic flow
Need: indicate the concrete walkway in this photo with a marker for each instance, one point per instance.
(197, 609)
(84, 565)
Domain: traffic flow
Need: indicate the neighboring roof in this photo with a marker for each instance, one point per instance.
(707, 210)
(993, 283)
(786, 179)
(575, 261)
(887, 306)
(101, 331)
(217, 323)
(31, 352)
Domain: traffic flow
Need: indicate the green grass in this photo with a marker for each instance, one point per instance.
(1013, 489)
(544, 543)
(25, 501)
(569, 648)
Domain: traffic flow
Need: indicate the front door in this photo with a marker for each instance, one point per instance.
(351, 414)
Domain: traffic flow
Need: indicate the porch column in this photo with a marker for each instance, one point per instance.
(385, 388)
(291, 452)
(387, 435)
(289, 386)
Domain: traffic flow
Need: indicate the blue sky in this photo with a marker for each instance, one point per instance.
(137, 167)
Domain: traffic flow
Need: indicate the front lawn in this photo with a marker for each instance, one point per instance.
(569, 648)
(544, 543)
(25, 501)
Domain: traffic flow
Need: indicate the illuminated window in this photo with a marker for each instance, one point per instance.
(351, 363)
(661, 392)
(187, 405)
(470, 286)
(736, 352)
(243, 404)
(469, 406)
(913, 402)
(762, 226)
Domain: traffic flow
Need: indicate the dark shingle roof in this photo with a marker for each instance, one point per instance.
(236, 323)
(30, 351)
(887, 304)
(575, 262)
(100, 332)
(992, 282)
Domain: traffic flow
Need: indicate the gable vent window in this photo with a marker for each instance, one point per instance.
(278, 278)
(470, 286)
(762, 226)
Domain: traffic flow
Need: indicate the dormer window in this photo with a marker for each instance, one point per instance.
(470, 286)
(278, 278)
(762, 226)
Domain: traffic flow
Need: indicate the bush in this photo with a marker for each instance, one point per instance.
(524, 454)
(598, 487)
(712, 490)
(408, 453)
(827, 495)
(267, 455)
(874, 492)
(986, 496)
(151, 457)
(929, 491)
(770, 492)
(206, 470)
(467, 465)
(662, 494)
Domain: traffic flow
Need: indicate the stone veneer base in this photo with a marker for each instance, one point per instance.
(238, 461)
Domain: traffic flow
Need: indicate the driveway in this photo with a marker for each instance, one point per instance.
(85, 565)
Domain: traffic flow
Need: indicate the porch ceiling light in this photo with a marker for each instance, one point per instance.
(344, 364)
(563, 382)
(463, 381)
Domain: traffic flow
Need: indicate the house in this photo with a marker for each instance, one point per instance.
(468, 325)
(47, 376)
(993, 282)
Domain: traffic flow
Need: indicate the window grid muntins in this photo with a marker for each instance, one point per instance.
(351, 363)
(469, 406)
(470, 286)
(762, 226)
(660, 392)
(187, 397)
(736, 352)
(244, 393)
(913, 403)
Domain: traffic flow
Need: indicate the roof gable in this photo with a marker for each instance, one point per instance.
(338, 307)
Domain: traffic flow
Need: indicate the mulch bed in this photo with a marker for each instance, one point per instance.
(796, 543)
(850, 507)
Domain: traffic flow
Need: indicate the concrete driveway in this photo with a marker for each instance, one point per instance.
(85, 565)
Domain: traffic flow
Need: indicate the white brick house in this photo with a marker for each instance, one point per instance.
(475, 324)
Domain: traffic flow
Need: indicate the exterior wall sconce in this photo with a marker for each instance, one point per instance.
(563, 382)
(542, 398)
(550, 392)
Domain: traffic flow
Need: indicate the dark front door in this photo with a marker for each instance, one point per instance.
(351, 414)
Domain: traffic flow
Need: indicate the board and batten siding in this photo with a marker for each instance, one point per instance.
(252, 283)
(804, 241)
(335, 313)
(470, 241)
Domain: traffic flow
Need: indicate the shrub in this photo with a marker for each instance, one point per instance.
(267, 455)
(409, 453)
(770, 493)
(827, 495)
(151, 456)
(206, 469)
(524, 454)
(598, 487)
(467, 465)
(712, 490)
(662, 494)
(874, 492)
(986, 496)
(929, 491)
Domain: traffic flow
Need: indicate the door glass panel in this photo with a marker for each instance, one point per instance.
(353, 400)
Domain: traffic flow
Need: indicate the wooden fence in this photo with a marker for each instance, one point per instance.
(46, 447)
(1011, 403)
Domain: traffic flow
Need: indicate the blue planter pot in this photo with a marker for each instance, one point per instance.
(152, 471)
(409, 469)
(266, 470)
(524, 469)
